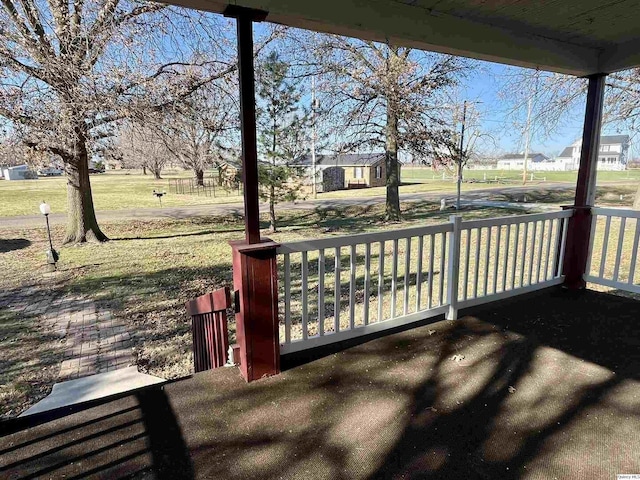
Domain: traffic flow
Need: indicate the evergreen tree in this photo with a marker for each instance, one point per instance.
(283, 127)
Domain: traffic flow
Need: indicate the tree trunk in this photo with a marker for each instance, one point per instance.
(199, 177)
(144, 169)
(82, 225)
(156, 173)
(391, 163)
(272, 209)
(636, 200)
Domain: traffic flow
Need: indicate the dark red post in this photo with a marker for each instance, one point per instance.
(255, 278)
(244, 22)
(579, 231)
(209, 328)
(255, 281)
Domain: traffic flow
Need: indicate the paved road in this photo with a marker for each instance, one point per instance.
(237, 208)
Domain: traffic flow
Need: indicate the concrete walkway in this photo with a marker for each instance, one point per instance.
(238, 209)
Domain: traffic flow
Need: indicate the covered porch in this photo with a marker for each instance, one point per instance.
(543, 386)
(521, 380)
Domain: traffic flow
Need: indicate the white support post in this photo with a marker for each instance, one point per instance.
(454, 267)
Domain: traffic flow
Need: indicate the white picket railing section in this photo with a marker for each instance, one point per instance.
(613, 250)
(502, 257)
(341, 287)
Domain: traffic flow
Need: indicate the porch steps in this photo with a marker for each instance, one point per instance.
(93, 387)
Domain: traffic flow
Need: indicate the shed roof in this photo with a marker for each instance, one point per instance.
(579, 37)
(343, 159)
(535, 157)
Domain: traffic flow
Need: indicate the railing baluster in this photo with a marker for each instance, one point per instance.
(616, 269)
(467, 254)
(505, 261)
(563, 245)
(605, 241)
(352, 287)
(525, 236)
(515, 256)
(496, 261)
(394, 278)
(486, 263)
(430, 280)
(287, 298)
(634, 253)
(545, 277)
(367, 281)
(338, 291)
(442, 266)
(476, 270)
(594, 223)
(540, 245)
(305, 312)
(380, 282)
(321, 291)
(532, 256)
(419, 273)
(557, 266)
(407, 270)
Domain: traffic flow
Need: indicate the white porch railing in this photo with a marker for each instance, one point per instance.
(613, 251)
(341, 287)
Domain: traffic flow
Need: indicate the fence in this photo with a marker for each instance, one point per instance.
(209, 187)
(341, 287)
(614, 247)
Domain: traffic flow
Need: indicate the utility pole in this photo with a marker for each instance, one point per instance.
(527, 139)
(314, 101)
(461, 154)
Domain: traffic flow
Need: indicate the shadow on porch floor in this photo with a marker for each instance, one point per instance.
(540, 387)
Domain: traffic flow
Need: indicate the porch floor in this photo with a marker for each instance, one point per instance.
(538, 387)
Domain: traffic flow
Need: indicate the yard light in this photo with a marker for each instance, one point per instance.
(52, 255)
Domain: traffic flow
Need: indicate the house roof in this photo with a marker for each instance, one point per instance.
(343, 159)
(567, 152)
(604, 140)
(535, 157)
(578, 37)
(613, 139)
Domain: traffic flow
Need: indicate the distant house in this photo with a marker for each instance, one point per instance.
(350, 170)
(20, 172)
(515, 161)
(612, 156)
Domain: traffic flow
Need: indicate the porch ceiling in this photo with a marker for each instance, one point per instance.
(578, 37)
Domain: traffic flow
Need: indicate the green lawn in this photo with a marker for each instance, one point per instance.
(421, 174)
(111, 191)
(130, 190)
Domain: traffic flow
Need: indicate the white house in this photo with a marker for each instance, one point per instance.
(612, 156)
(515, 161)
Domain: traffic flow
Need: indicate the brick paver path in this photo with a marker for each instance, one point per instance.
(96, 342)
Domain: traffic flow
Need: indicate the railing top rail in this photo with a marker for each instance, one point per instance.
(616, 212)
(511, 220)
(362, 238)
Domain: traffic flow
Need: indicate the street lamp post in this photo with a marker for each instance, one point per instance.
(52, 255)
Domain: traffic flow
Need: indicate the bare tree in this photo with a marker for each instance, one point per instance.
(70, 69)
(461, 141)
(202, 129)
(388, 97)
(556, 97)
(141, 146)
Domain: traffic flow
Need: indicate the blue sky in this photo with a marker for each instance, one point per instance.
(485, 85)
